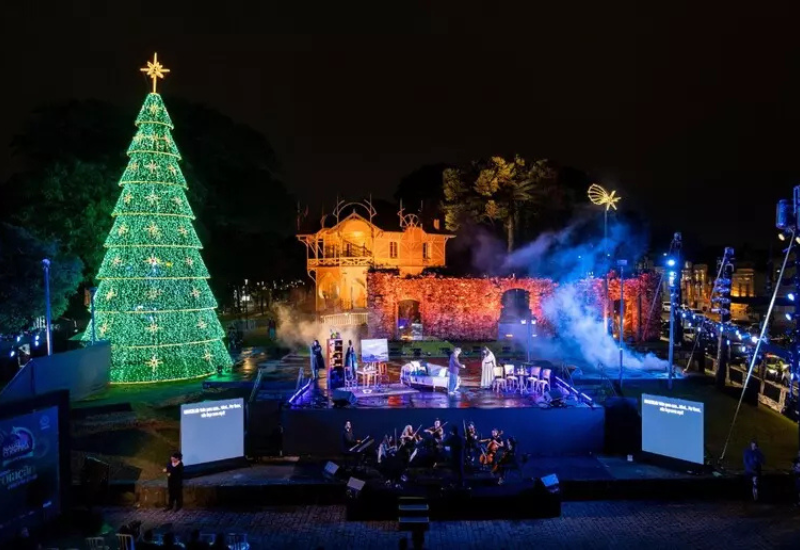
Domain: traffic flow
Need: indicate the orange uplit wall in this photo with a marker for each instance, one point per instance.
(469, 308)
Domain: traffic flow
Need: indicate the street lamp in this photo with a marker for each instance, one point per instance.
(46, 266)
(600, 197)
(621, 264)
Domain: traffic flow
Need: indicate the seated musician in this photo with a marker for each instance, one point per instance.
(348, 438)
(507, 460)
(436, 431)
(493, 446)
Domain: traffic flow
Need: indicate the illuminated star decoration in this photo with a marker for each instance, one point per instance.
(151, 166)
(154, 362)
(153, 229)
(110, 294)
(189, 262)
(154, 108)
(116, 261)
(152, 328)
(177, 201)
(152, 198)
(195, 293)
(202, 325)
(183, 231)
(102, 329)
(154, 293)
(154, 70)
(172, 170)
(207, 356)
(134, 165)
(152, 260)
(599, 196)
(127, 198)
(122, 229)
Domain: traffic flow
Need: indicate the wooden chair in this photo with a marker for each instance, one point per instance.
(499, 379)
(543, 384)
(238, 541)
(382, 376)
(511, 378)
(96, 543)
(125, 542)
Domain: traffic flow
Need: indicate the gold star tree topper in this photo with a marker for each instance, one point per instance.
(599, 196)
(154, 70)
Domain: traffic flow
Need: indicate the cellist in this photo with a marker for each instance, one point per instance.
(493, 446)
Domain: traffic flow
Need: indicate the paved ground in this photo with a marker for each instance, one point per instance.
(582, 525)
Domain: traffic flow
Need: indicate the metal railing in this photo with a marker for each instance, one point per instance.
(345, 319)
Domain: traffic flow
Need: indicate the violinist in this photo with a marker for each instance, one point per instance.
(409, 438)
(472, 443)
(493, 446)
(437, 431)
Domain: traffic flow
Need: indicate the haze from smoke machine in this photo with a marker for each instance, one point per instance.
(568, 256)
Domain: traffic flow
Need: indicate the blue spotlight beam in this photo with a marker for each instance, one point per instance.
(758, 344)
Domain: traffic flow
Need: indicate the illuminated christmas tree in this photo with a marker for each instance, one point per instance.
(153, 302)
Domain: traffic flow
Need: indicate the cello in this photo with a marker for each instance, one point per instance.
(494, 445)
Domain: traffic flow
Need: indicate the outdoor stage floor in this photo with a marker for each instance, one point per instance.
(296, 481)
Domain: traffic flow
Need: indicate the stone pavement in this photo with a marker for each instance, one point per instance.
(618, 524)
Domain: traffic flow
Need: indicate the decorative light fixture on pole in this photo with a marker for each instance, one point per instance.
(674, 283)
(46, 266)
(621, 264)
(600, 197)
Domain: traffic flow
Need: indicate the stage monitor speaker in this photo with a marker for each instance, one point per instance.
(331, 469)
(354, 487)
(550, 483)
(343, 398)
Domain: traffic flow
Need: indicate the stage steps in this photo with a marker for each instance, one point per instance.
(413, 514)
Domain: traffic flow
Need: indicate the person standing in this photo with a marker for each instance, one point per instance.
(174, 471)
(272, 331)
(456, 444)
(488, 363)
(753, 463)
(350, 359)
(317, 361)
(796, 475)
(454, 368)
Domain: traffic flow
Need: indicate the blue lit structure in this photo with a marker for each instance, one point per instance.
(673, 281)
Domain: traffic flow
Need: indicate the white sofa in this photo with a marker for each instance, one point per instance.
(419, 374)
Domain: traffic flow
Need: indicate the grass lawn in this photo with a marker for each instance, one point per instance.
(776, 434)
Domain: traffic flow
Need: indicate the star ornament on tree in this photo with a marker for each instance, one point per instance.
(154, 293)
(110, 294)
(116, 261)
(152, 328)
(183, 231)
(153, 229)
(195, 293)
(127, 198)
(189, 262)
(207, 356)
(122, 229)
(154, 70)
(151, 166)
(154, 362)
(202, 325)
(152, 198)
(600, 197)
(102, 329)
(172, 170)
(152, 260)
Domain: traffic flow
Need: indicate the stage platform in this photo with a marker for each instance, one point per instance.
(299, 482)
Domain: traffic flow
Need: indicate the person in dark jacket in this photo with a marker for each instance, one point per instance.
(174, 471)
(317, 361)
(753, 462)
(457, 446)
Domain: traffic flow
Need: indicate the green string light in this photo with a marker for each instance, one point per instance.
(153, 302)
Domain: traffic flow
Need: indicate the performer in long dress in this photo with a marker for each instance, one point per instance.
(350, 359)
(317, 361)
(488, 363)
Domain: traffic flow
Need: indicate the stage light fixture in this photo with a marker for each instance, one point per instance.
(781, 236)
(754, 339)
(790, 296)
(671, 262)
(788, 316)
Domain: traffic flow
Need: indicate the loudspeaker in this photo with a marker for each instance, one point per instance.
(355, 485)
(343, 398)
(331, 469)
(550, 482)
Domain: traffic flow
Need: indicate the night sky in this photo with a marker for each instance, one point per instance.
(692, 115)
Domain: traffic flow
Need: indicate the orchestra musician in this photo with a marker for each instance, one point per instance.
(493, 446)
(507, 460)
(348, 438)
(472, 444)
